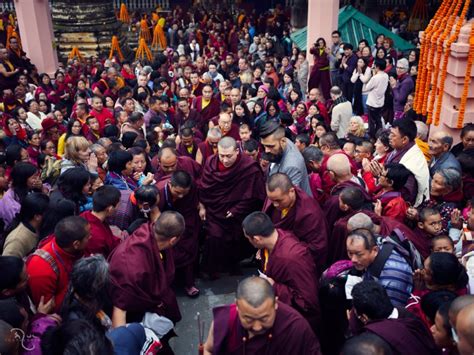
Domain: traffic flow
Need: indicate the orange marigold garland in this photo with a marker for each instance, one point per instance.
(445, 28)
(124, 16)
(447, 53)
(425, 46)
(115, 49)
(145, 30)
(467, 79)
(75, 53)
(159, 38)
(143, 50)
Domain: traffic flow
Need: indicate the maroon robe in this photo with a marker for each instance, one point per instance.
(233, 132)
(239, 189)
(290, 334)
(141, 276)
(181, 119)
(422, 242)
(331, 206)
(183, 151)
(406, 335)
(206, 151)
(208, 112)
(337, 241)
(306, 220)
(291, 266)
(102, 240)
(186, 250)
(184, 163)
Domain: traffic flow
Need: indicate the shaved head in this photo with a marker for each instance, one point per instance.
(339, 164)
(214, 132)
(360, 221)
(457, 305)
(170, 224)
(465, 330)
(227, 142)
(255, 291)
(167, 154)
(279, 181)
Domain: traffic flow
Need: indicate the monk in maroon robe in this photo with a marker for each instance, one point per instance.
(291, 209)
(180, 194)
(339, 168)
(259, 324)
(208, 147)
(167, 161)
(287, 264)
(228, 129)
(142, 270)
(188, 145)
(207, 106)
(231, 187)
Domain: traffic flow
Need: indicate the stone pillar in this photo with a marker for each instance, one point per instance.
(322, 20)
(453, 88)
(86, 24)
(36, 31)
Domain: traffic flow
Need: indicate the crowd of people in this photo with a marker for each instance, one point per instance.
(122, 181)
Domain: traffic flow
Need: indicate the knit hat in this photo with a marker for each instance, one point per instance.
(48, 123)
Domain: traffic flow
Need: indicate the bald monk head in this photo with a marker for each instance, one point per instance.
(168, 229)
(228, 151)
(256, 305)
(168, 159)
(339, 167)
(465, 330)
(179, 184)
(214, 135)
(440, 142)
(281, 191)
(313, 158)
(275, 142)
(366, 344)
(457, 305)
(225, 122)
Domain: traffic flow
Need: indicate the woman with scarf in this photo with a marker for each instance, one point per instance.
(120, 175)
(320, 75)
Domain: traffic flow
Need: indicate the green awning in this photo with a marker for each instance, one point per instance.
(354, 26)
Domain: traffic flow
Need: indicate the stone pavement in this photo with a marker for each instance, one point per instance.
(213, 293)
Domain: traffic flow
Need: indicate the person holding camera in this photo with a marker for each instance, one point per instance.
(320, 71)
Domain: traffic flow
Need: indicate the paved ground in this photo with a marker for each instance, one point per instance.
(213, 293)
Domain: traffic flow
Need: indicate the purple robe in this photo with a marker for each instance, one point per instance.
(186, 250)
(290, 334)
(141, 276)
(422, 242)
(184, 163)
(306, 220)
(291, 266)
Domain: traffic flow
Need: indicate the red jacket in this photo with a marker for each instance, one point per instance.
(43, 279)
(102, 240)
(105, 117)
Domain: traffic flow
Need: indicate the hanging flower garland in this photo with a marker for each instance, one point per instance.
(446, 58)
(115, 49)
(143, 51)
(446, 29)
(124, 16)
(430, 59)
(159, 38)
(467, 79)
(75, 53)
(145, 30)
(420, 83)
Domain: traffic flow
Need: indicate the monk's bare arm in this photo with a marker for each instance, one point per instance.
(119, 317)
(209, 344)
(199, 157)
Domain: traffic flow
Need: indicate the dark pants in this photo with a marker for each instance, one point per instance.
(348, 90)
(375, 120)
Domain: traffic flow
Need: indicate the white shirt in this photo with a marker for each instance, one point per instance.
(376, 88)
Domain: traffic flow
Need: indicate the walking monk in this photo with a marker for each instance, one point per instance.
(259, 324)
(231, 187)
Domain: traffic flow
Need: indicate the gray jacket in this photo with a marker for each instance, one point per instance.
(447, 160)
(292, 164)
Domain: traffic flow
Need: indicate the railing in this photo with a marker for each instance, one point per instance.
(7, 5)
